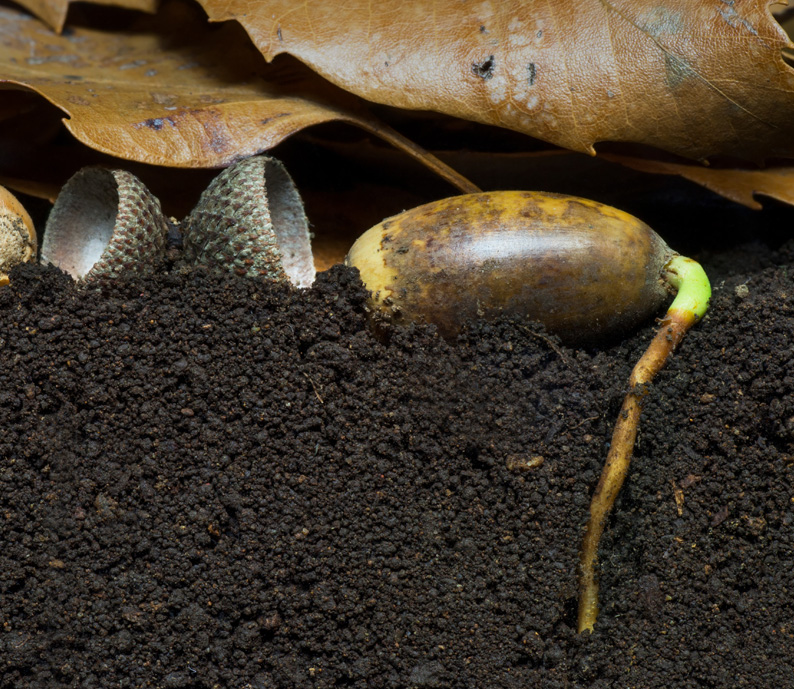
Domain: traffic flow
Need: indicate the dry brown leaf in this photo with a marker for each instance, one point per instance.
(737, 184)
(53, 12)
(149, 96)
(698, 78)
(174, 91)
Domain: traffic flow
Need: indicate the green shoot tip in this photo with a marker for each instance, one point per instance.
(692, 284)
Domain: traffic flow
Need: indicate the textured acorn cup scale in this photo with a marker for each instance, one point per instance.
(104, 223)
(250, 220)
(17, 234)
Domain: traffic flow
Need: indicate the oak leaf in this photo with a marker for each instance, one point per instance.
(698, 78)
(738, 184)
(174, 91)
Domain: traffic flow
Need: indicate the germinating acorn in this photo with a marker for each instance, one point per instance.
(585, 270)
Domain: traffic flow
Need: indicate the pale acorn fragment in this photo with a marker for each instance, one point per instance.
(17, 234)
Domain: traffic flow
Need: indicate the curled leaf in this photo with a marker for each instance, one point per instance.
(698, 79)
(737, 184)
(174, 91)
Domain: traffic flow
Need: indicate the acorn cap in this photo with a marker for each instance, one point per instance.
(250, 221)
(104, 223)
(17, 234)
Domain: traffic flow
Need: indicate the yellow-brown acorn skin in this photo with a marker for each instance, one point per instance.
(585, 270)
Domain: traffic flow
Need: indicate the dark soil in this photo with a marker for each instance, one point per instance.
(214, 483)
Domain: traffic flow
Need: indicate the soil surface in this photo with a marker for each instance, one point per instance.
(207, 482)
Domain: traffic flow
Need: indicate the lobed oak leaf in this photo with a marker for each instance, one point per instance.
(698, 78)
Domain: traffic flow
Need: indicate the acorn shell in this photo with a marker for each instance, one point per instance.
(17, 234)
(250, 221)
(104, 223)
(585, 270)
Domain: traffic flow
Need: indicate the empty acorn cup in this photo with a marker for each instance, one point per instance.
(104, 223)
(250, 221)
(17, 234)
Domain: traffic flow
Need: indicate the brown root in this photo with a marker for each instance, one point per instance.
(672, 329)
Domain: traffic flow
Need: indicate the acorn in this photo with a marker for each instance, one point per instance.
(585, 270)
(104, 223)
(17, 234)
